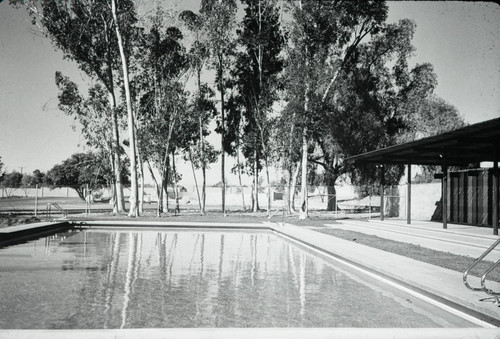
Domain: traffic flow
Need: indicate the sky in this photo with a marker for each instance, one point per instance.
(460, 39)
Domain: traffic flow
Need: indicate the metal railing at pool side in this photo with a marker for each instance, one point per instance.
(483, 287)
(493, 293)
(56, 206)
(285, 212)
(283, 217)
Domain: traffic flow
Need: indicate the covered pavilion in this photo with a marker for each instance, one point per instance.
(472, 144)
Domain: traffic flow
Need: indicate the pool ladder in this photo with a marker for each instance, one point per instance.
(495, 295)
(283, 216)
(57, 207)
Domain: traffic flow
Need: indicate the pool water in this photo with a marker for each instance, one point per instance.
(192, 278)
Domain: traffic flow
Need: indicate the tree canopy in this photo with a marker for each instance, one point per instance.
(82, 169)
(343, 75)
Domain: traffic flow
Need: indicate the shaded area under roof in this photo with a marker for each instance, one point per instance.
(470, 144)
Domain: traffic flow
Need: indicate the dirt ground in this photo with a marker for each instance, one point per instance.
(17, 210)
(316, 218)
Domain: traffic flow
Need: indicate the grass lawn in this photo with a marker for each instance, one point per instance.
(443, 259)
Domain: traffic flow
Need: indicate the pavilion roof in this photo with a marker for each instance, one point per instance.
(471, 144)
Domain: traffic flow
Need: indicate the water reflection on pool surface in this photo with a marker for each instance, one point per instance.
(192, 278)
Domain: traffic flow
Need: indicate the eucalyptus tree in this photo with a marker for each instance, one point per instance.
(203, 108)
(125, 18)
(359, 111)
(324, 36)
(437, 116)
(200, 160)
(310, 35)
(350, 84)
(92, 112)
(191, 137)
(161, 97)
(234, 139)
(1, 170)
(85, 32)
(378, 101)
(287, 136)
(423, 113)
(258, 64)
(219, 24)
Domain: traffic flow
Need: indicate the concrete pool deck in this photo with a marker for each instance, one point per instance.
(438, 283)
(435, 283)
(465, 240)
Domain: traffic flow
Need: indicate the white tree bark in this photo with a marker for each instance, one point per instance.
(133, 211)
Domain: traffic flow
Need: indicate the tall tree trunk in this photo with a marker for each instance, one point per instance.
(204, 188)
(239, 177)
(268, 183)
(291, 193)
(223, 158)
(252, 194)
(286, 194)
(195, 180)
(119, 203)
(164, 165)
(255, 181)
(140, 164)
(113, 180)
(303, 212)
(266, 165)
(293, 186)
(238, 159)
(133, 211)
(203, 167)
(258, 109)
(165, 185)
(159, 192)
(174, 177)
(332, 193)
(141, 185)
(118, 198)
(202, 146)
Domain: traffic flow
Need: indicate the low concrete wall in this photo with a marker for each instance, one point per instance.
(423, 200)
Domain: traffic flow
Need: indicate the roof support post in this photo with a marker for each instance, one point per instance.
(495, 192)
(444, 193)
(382, 183)
(408, 196)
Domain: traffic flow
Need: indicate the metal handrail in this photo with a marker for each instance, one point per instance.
(283, 210)
(482, 288)
(59, 208)
(483, 282)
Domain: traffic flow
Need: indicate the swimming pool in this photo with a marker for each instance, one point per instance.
(178, 278)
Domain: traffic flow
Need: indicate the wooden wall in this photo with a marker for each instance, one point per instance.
(470, 197)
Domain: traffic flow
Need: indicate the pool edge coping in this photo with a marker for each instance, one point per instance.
(20, 233)
(250, 333)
